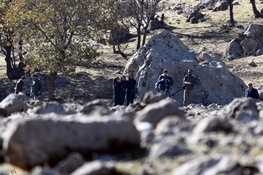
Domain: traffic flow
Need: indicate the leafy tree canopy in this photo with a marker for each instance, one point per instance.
(59, 33)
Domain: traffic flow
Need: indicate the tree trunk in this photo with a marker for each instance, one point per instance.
(9, 71)
(255, 10)
(51, 85)
(120, 52)
(145, 33)
(113, 47)
(138, 37)
(231, 14)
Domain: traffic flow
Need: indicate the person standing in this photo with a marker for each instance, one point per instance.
(36, 87)
(123, 85)
(164, 81)
(130, 93)
(20, 84)
(116, 91)
(143, 85)
(189, 82)
(251, 92)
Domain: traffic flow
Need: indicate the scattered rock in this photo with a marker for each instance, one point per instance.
(210, 165)
(152, 97)
(70, 164)
(4, 113)
(48, 108)
(173, 125)
(168, 148)
(249, 44)
(154, 113)
(252, 64)
(213, 124)
(243, 109)
(50, 141)
(14, 103)
(221, 6)
(97, 168)
(43, 171)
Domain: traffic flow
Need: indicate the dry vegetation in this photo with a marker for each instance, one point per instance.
(211, 36)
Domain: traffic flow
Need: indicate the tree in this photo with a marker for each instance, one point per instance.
(255, 10)
(140, 13)
(13, 71)
(231, 14)
(257, 14)
(113, 20)
(59, 33)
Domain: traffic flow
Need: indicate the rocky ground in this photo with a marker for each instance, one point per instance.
(156, 137)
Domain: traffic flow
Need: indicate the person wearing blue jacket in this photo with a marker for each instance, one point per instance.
(165, 81)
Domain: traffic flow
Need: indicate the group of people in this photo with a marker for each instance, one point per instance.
(36, 86)
(124, 89)
(127, 89)
(165, 81)
(163, 84)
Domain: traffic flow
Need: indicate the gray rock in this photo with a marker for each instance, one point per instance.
(221, 6)
(72, 108)
(234, 50)
(259, 51)
(95, 110)
(243, 109)
(47, 108)
(14, 103)
(95, 107)
(250, 46)
(194, 16)
(34, 142)
(70, 164)
(155, 112)
(173, 125)
(44, 171)
(152, 97)
(210, 165)
(218, 84)
(168, 147)
(205, 4)
(213, 124)
(4, 113)
(249, 43)
(96, 168)
(146, 131)
(209, 140)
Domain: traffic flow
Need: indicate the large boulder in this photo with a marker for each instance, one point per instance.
(242, 109)
(14, 103)
(166, 51)
(154, 113)
(247, 43)
(38, 141)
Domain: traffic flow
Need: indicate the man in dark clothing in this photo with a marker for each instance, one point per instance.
(123, 84)
(19, 84)
(36, 87)
(189, 82)
(117, 91)
(130, 93)
(251, 92)
(164, 81)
